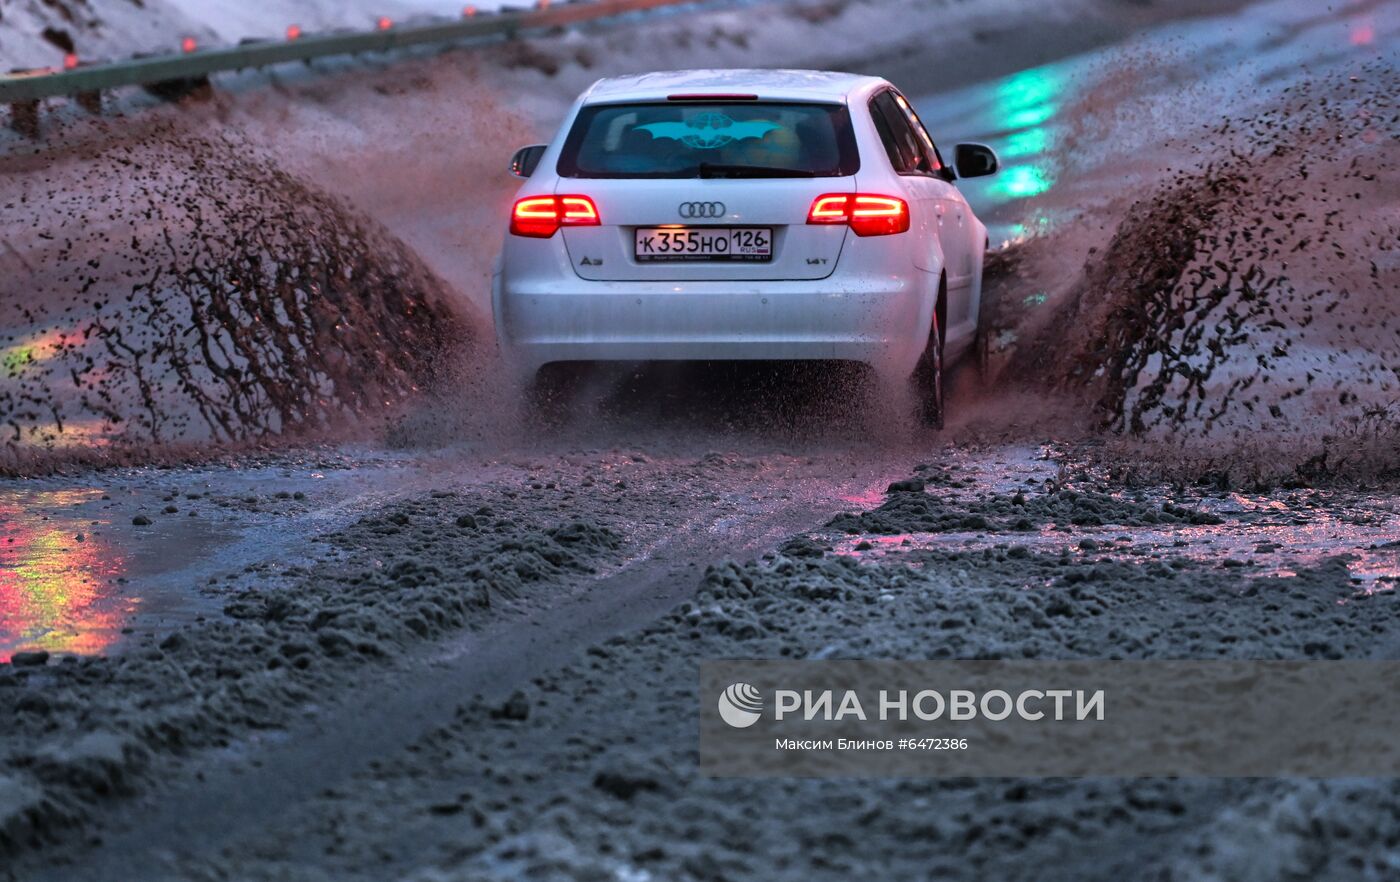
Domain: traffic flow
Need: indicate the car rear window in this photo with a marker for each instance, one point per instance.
(751, 139)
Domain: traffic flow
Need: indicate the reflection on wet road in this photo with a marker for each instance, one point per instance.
(1078, 133)
(57, 578)
(124, 554)
(79, 564)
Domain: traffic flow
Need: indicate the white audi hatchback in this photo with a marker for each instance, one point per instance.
(743, 214)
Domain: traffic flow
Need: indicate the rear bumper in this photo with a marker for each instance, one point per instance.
(881, 320)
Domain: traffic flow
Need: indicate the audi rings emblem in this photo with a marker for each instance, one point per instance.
(701, 209)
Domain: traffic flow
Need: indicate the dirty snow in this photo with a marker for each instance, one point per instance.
(37, 33)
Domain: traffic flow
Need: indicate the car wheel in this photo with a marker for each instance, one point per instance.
(928, 380)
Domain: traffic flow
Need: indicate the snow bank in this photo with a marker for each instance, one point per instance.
(37, 33)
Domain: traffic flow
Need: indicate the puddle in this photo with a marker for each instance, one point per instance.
(121, 580)
(57, 576)
(66, 562)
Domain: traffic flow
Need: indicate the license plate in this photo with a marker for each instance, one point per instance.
(703, 243)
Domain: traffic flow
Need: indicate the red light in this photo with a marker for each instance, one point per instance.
(829, 209)
(468, 11)
(865, 213)
(189, 44)
(579, 211)
(384, 23)
(715, 97)
(293, 32)
(70, 61)
(540, 217)
(542, 4)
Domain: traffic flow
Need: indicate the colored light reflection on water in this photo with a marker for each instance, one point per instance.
(1018, 116)
(1035, 87)
(1023, 181)
(1031, 142)
(1023, 109)
(54, 588)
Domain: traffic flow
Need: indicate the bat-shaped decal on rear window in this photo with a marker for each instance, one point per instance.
(708, 131)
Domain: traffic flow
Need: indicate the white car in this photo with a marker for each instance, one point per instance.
(743, 214)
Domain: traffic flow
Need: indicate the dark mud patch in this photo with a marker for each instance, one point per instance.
(80, 731)
(180, 288)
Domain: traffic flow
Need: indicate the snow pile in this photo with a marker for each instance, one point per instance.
(37, 33)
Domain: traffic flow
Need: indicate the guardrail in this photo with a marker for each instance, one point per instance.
(23, 91)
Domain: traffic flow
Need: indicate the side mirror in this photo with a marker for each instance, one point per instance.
(523, 163)
(974, 160)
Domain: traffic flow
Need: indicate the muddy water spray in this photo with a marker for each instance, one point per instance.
(1251, 292)
(183, 287)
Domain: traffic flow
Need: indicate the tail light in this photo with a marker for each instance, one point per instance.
(865, 213)
(541, 216)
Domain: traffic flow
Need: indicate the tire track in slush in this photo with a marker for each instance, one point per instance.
(265, 776)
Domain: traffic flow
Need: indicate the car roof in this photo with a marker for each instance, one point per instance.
(801, 85)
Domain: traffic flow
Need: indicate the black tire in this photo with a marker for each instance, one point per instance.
(928, 380)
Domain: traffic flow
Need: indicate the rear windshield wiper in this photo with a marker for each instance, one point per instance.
(719, 170)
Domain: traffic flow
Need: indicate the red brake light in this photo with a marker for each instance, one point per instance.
(541, 216)
(830, 209)
(865, 213)
(578, 211)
